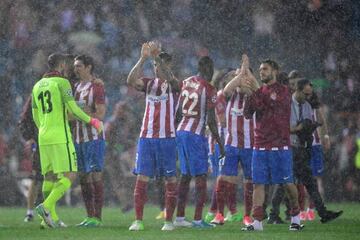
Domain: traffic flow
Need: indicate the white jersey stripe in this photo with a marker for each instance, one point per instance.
(201, 124)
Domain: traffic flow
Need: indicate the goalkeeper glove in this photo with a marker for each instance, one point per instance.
(96, 123)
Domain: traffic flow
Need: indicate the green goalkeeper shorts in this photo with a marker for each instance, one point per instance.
(58, 158)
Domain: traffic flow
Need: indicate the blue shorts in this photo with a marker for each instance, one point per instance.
(233, 156)
(272, 167)
(90, 156)
(317, 160)
(156, 157)
(193, 153)
(214, 158)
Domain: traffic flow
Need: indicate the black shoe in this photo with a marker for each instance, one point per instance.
(275, 220)
(296, 227)
(248, 228)
(330, 215)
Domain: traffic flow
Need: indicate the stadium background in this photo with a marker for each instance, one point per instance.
(318, 38)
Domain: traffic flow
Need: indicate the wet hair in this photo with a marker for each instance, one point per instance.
(300, 85)
(165, 57)
(294, 74)
(283, 78)
(87, 61)
(206, 67)
(274, 65)
(55, 59)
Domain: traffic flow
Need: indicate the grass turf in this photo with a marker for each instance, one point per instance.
(116, 227)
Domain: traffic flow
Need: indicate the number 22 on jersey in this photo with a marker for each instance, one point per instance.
(193, 98)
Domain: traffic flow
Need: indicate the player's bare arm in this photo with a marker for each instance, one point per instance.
(134, 77)
(155, 49)
(211, 122)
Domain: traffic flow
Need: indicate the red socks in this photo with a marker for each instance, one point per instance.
(221, 189)
(139, 198)
(258, 213)
(213, 205)
(98, 198)
(200, 192)
(87, 193)
(184, 187)
(248, 197)
(170, 199)
(231, 189)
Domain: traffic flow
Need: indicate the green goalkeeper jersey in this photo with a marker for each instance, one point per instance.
(52, 98)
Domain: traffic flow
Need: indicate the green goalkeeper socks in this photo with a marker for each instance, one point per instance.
(58, 190)
(47, 187)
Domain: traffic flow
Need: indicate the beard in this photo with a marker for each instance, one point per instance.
(266, 79)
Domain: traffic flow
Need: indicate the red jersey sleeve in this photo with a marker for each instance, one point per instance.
(99, 94)
(220, 103)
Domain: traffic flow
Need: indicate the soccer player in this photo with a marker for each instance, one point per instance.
(197, 105)
(272, 159)
(51, 100)
(214, 151)
(156, 154)
(89, 144)
(238, 149)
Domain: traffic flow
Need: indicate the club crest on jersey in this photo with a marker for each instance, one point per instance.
(273, 96)
(164, 87)
(213, 99)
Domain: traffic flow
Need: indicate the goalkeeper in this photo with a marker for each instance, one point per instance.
(51, 100)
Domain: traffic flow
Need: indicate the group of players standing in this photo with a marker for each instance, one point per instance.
(258, 123)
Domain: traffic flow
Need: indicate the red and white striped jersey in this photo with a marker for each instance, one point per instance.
(196, 96)
(88, 94)
(220, 107)
(158, 120)
(316, 134)
(240, 132)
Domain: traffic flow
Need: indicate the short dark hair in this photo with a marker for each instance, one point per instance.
(206, 67)
(165, 57)
(272, 63)
(283, 78)
(55, 59)
(87, 61)
(300, 85)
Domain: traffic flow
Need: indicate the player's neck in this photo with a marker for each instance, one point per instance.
(271, 82)
(86, 78)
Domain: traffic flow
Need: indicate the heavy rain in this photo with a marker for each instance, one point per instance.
(119, 115)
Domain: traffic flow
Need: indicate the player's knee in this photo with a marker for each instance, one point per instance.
(185, 178)
(170, 179)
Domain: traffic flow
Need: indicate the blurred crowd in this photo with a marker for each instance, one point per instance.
(318, 38)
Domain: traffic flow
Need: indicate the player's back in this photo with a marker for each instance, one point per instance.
(49, 100)
(197, 96)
